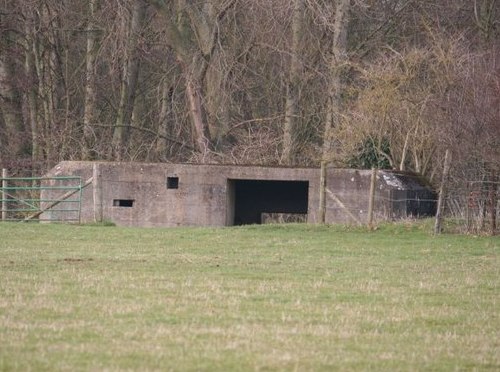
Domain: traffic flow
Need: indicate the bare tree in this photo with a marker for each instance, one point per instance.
(89, 115)
(193, 34)
(131, 63)
(338, 59)
(11, 122)
(293, 86)
(43, 70)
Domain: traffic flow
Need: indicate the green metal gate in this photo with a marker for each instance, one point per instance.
(56, 199)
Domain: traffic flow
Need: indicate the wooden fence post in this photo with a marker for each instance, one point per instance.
(322, 191)
(97, 192)
(493, 203)
(442, 192)
(469, 208)
(4, 194)
(371, 201)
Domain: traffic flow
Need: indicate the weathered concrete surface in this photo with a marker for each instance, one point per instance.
(138, 194)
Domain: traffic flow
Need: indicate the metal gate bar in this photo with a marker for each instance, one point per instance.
(21, 198)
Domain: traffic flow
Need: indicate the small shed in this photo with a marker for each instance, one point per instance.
(164, 195)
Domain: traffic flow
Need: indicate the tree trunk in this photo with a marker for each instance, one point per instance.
(53, 85)
(10, 109)
(90, 78)
(194, 96)
(164, 122)
(13, 142)
(338, 60)
(288, 156)
(30, 103)
(42, 109)
(217, 104)
(30, 108)
(130, 74)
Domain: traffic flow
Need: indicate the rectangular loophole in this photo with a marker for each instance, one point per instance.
(128, 203)
(172, 182)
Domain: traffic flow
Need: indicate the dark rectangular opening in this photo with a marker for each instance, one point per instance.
(250, 200)
(172, 182)
(128, 203)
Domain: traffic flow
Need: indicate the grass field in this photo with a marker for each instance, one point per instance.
(292, 297)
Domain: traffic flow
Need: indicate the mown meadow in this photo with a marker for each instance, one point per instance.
(271, 297)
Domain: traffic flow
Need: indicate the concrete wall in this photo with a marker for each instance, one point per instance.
(141, 194)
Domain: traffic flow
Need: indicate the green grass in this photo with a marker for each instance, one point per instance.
(292, 297)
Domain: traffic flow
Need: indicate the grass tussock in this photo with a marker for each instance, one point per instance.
(249, 298)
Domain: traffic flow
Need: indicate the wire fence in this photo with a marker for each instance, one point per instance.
(473, 207)
(468, 206)
(350, 206)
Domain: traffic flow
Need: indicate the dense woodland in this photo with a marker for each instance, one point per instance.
(359, 83)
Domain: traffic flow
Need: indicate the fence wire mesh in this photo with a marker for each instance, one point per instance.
(473, 206)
